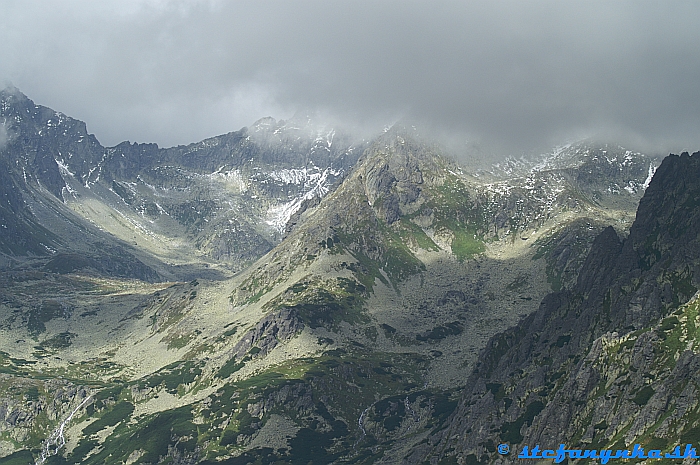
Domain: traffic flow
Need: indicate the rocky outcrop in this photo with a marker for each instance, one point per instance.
(553, 379)
(229, 197)
(395, 171)
(23, 414)
(402, 210)
(273, 329)
(566, 249)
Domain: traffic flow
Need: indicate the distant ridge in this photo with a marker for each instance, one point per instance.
(597, 366)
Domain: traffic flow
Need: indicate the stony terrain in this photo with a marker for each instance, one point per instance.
(607, 363)
(283, 293)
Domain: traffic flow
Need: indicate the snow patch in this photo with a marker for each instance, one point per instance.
(317, 184)
(233, 179)
(63, 168)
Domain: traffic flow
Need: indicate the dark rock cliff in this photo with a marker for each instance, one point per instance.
(593, 360)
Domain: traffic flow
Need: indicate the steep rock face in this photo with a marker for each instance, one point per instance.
(353, 334)
(636, 388)
(227, 199)
(393, 180)
(547, 381)
(565, 250)
(21, 234)
(273, 329)
(41, 140)
(663, 245)
(596, 271)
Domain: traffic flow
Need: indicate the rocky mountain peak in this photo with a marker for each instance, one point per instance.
(396, 168)
(560, 376)
(284, 293)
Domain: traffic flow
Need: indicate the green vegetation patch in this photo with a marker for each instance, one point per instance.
(382, 250)
(497, 390)
(465, 244)
(399, 261)
(657, 444)
(169, 306)
(323, 396)
(669, 323)
(325, 303)
(643, 395)
(690, 435)
(11, 365)
(366, 270)
(454, 211)
(22, 457)
(230, 368)
(174, 375)
(255, 288)
(389, 253)
(231, 331)
(413, 234)
(315, 393)
(177, 340)
(154, 435)
(326, 308)
(119, 412)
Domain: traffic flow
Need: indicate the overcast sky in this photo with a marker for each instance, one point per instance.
(509, 75)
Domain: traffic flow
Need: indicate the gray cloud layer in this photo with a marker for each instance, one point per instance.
(511, 75)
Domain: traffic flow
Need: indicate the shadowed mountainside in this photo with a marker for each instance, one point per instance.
(368, 276)
(609, 362)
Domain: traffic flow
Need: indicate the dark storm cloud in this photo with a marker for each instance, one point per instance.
(511, 76)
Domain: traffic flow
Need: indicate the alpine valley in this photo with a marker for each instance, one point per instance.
(292, 294)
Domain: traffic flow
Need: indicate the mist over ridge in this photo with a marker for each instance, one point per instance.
(225, 298)
(508, 77)
(367, 232)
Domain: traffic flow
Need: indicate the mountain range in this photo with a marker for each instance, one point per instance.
(291, 293)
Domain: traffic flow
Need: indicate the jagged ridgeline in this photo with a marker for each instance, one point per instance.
(222, 201)
(287, 293)
(609, 363)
